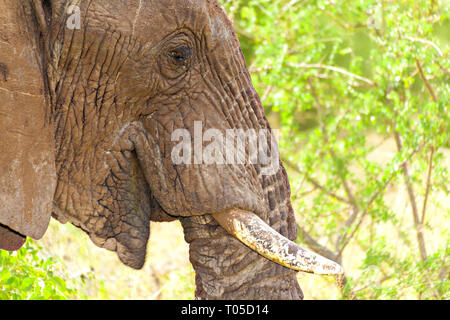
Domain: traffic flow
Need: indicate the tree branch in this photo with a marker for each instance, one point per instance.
(314, 182)
(317, 247)
(371, 200)
(428, 42)
(332, 68)
(351, 198)
(427, 83)
(412, 199)
(427, 189)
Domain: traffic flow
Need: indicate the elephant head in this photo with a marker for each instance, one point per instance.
(98, 100)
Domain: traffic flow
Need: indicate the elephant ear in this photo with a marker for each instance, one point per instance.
(27, 166)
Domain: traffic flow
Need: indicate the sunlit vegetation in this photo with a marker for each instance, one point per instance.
(360, 93)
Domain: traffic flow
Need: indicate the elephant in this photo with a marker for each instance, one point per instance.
(91, 94)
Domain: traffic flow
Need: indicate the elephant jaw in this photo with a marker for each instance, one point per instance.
(260, 237)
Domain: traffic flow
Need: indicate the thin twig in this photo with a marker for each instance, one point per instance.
(427, 83)
(287, 7)
(319, 109)
(296, 50)
(369, 83)
(427, 189)
(372, 199)
(412, 199)
(428, 42)
(442, 68)
(351, 198)
(343, 24)
(314, 182)
(346, 241)
(444, 270)
(305, 193)
(316, 246)
(332, 68)
(341, 280)
(370, 284)
(266, 93)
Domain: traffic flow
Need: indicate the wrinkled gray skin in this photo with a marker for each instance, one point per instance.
(116, 90)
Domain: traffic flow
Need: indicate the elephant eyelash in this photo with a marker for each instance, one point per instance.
(180, 54)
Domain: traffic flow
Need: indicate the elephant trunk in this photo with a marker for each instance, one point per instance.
(226, 269)
(265, 267)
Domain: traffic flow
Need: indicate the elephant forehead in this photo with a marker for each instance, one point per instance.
(162, 17)
(153, 20)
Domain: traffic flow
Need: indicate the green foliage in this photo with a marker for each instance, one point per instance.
(180, 285)
(360, 91)
(26, 276)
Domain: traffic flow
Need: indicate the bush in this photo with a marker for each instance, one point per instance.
(26, 276)
(359, 90)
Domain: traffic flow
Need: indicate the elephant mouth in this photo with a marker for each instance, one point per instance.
(247, 227)
(161, 203)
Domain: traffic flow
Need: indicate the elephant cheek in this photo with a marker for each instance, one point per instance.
(187, 189)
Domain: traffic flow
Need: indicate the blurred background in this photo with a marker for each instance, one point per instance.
(360, 92)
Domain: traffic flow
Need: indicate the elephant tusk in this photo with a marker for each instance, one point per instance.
(260, 237)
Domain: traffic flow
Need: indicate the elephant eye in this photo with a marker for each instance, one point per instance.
(180, 54)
